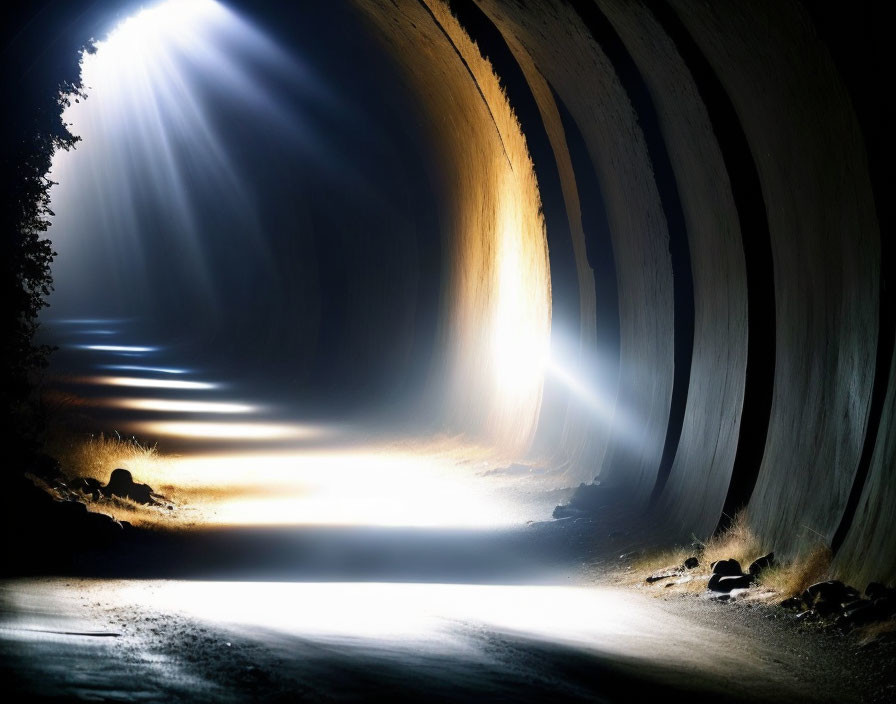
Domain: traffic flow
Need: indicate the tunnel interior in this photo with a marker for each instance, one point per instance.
(644, 244)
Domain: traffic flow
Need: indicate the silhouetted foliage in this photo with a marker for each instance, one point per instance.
(34, 131)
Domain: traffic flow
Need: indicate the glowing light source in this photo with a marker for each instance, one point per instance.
(138, 38)
(140, 383)
(175, 406)
(225, 431)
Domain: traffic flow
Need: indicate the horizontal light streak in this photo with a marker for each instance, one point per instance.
(86, 321)
(140, 383)
(325, 486)
(176, 406)
(140, 368)
(117, 348)
(224, 431)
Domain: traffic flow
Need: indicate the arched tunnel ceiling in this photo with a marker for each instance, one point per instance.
(734, 181)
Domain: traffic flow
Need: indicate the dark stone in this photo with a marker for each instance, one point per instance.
(762, 563)
(861, 613)
(691, 563)
(727, 568)
(827, 607)
(725, 583)
(122, 484)
(794, 602)
(831, 590)
(876, 590)
(593, 498)
(854, 603)
(87, 485)
(657, 578)
(567, 512)
(741, 581)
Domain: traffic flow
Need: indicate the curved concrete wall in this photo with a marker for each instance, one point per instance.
(868, 551)
(744, 230)
(695, 492)
(825, 246)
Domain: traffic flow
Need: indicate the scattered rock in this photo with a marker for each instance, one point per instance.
(727, 568)
(762, 563)
(725, 583)
(593, 499)
(826, 607)
(691, 563)
(858, 613)
(832, 591)
(741, 581)
(657, 578)
(794, 602)
(122, 484)
(567, 512)
(87, 485)
(876, 590)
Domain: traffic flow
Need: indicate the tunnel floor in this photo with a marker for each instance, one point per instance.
(406, 615)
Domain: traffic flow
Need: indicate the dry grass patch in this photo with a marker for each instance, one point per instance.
(793, 578)
(95, 456)
(737, 542)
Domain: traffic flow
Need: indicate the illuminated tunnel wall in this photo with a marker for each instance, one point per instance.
(706, 160)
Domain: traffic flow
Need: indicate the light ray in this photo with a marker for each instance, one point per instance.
(117, 348)
(140, 368)
(225, 431)
(141, 383)
(176, 406)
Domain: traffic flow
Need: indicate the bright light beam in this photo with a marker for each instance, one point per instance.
(139, 368)
(139, 383)
(172, 406)
(225, 431)
(581, 390)
(117, 348)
